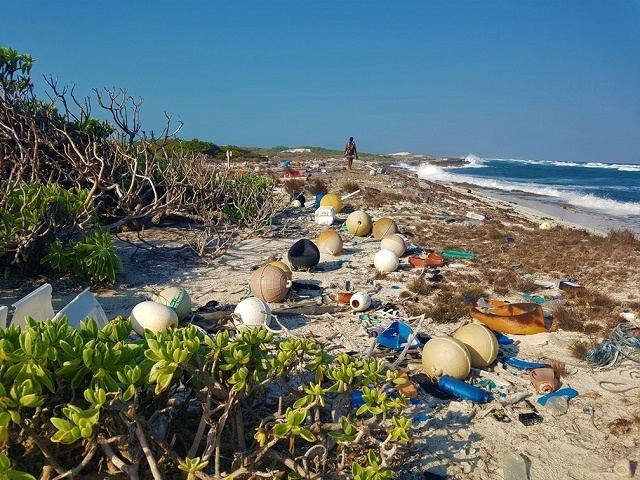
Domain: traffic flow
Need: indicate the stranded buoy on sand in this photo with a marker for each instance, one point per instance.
(332, 200)
(269, 283)
(383, 227)
(386, 261)
(394, 242)
(480, 342)
(359, 223)
(360, 301)
(176, 298)
(303, 254)
(153, 316)
(446, 356)
(284, 267)
(253, 312)
(330, 242)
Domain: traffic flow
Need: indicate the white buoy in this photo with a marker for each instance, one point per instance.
(360, 301)
(152, 316)
(176, 298)
(253, 312)
(386, 261)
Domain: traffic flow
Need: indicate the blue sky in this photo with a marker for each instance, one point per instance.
(545, 80)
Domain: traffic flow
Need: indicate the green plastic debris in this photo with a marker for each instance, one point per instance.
(457, 254)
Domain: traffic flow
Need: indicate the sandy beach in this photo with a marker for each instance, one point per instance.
(451, 437)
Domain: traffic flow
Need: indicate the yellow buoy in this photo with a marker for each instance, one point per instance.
(446, 356)
(332, 200)
(481, 343)
(284, 267)
(383, 227)
(359, 223)
(330, 242)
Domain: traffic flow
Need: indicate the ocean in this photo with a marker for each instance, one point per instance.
(598, 195)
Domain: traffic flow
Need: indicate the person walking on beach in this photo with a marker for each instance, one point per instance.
(350, 151)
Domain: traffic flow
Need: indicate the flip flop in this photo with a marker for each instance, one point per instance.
(567, 392)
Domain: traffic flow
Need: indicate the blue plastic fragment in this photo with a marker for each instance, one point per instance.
(396, 336)
(567, 392)
(356, 398)
(503, 339)
(523, 364)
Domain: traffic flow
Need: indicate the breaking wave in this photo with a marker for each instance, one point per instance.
(565, 195)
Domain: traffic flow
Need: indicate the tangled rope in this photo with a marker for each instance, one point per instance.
(623, 341)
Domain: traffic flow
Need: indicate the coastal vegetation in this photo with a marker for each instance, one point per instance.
(77, 402)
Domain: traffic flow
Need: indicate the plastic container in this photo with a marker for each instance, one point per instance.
(325, 215)
(515, 467)
(36, 305)
(557, 405)
(319, 196)
(463, 390)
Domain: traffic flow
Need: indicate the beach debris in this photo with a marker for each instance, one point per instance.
(394, 242)
(360, 301)
(475, 216)
(383, 227)
(330, 242)
(557, 405)
(514, 467)
(431, 260)
(623, 343)
(296, 203)
(396, 336)
(544, 380)
(36, 305)
(269, 283)
(481, 343)
(82, 306)
(463, 390)
(284, 267)
(529, 418)
(446, 356)
(523, 364)
(303, 254)
(622, 468)
(510, 318)
(332, 200)
(344, 297)
(386, 261)
(545, 226)
(176, 298)
(325, 215)
(152, 316)
(563, 392)
(407, 388)
(359, 223)
(252, 312)
(457, 254)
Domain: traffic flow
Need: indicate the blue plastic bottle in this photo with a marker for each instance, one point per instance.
(463, 390)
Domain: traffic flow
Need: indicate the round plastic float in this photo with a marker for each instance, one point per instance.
(446, 356)
(360, 301)
(152, 316)
(253, 312)
(332, 200)
(480, 342)
(359, 223)
(386, 261)
(330, 242)
(176, 298)
(394, 242)
(383, 227)
(269, 283)
(304, 254)
(284, 267)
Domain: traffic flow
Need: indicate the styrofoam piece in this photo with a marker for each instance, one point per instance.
(36, 305)
(84, 305)
(3, 316)
(325, 215)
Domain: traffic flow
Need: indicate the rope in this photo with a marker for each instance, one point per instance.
(621, 343)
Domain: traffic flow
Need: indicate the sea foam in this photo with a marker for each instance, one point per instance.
(577, 198)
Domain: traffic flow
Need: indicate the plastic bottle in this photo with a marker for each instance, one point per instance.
(514, 467)
(463, 390)
(557, 405)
